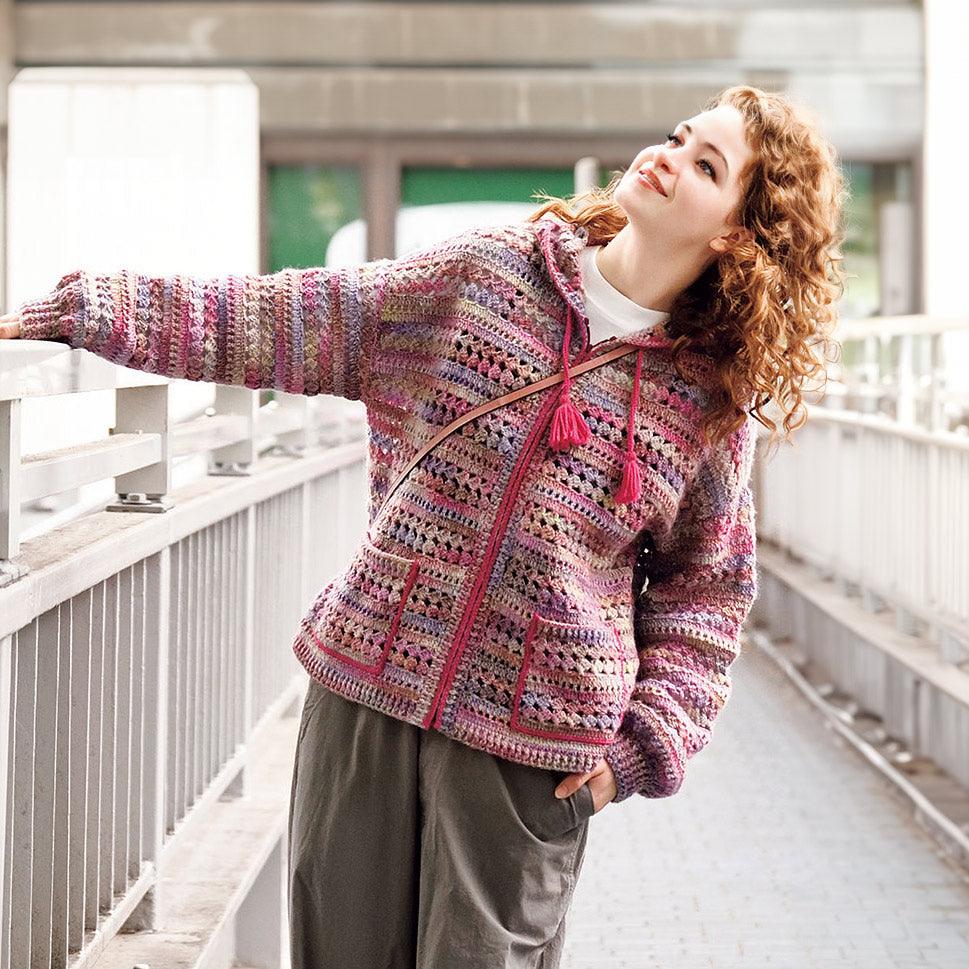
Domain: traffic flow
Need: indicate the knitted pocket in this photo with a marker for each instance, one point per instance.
(387, 612)
(575, 682)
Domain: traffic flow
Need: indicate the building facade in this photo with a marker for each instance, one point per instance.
(367, 106)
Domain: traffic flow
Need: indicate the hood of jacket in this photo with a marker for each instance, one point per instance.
(561, 244)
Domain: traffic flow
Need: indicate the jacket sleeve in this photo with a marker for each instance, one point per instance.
(701, 585)
(305, 331)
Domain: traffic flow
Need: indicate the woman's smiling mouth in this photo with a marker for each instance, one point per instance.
(649, 178)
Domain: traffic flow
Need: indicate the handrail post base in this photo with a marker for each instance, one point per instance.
(230, 469)
(139, 501)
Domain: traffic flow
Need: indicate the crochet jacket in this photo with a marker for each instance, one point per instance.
(564, 578)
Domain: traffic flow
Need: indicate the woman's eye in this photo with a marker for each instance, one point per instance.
(672, 139)
(707, 169)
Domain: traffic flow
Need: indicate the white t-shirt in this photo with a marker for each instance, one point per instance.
(610, 313)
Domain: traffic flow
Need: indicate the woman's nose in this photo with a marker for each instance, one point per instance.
(664, 159)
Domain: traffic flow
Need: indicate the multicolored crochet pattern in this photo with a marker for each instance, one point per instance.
(493, 598)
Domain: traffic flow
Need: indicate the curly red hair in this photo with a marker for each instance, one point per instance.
(765, 310)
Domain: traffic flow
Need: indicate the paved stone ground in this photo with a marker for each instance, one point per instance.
(783, 849)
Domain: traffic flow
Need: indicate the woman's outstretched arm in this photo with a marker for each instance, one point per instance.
(305, 331)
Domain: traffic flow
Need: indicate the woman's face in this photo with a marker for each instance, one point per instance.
(690, 187)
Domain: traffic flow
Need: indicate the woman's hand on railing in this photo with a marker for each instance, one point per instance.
(9, 326)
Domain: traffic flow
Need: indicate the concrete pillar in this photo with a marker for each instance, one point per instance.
(154, 170)
(946, 203)
(382, 202)
(6, 56)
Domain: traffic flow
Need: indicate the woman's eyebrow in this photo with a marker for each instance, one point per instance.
(711, 146)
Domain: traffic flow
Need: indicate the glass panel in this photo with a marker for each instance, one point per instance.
(436, 185)
(307, 205)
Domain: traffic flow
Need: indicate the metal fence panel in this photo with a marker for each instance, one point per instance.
(128, 699)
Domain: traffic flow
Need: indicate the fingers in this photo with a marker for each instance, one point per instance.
(571, 784)
(9, 326)
(601, 781)
(603, 786)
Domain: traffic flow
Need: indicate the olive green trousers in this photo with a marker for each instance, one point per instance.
(412, 851)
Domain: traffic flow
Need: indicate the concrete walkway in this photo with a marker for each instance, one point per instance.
(782, 850)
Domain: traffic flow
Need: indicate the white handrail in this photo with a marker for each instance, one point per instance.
(881, 507)
(141, 453)
(873, 490)
(911, 325)
(915, 369)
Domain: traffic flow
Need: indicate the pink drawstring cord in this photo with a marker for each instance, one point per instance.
(631, 488)
(568, 424)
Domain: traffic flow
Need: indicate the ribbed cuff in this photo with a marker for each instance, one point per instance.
(642, 768)
(627, 765)
(44, 319)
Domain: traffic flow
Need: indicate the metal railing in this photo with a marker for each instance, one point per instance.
(145, 443)
(875, 489)
(864, 536)
(912, 369)
(884, 509)
(142, 655)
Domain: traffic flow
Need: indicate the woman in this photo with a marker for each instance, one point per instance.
(541, 617)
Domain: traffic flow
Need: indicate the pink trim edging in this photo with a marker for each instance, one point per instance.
(377, 668)
(515, 721)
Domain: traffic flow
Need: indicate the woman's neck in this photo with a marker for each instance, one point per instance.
(650, 274)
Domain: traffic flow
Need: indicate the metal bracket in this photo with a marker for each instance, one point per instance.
(954, 648)
(139, 501)
(287, 451)
(230, 469)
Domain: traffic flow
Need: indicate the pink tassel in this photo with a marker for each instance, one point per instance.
(568, 426)
(631, 488)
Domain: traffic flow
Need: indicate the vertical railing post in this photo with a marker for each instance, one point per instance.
(296, 441)
(6, 703)
(235, 459)
(10, 491)
(252, 590)
(81, 693)
(145, 410)
(18, 865)
(244, 705)
(308, 569)
(867, 374)
(44, 778)
(64, 755)
(154, 719)
(938, 383)
(905, 380)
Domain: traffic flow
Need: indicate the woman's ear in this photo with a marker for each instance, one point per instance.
(733, 237)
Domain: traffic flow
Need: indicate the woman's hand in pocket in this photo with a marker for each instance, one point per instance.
(601, 781)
